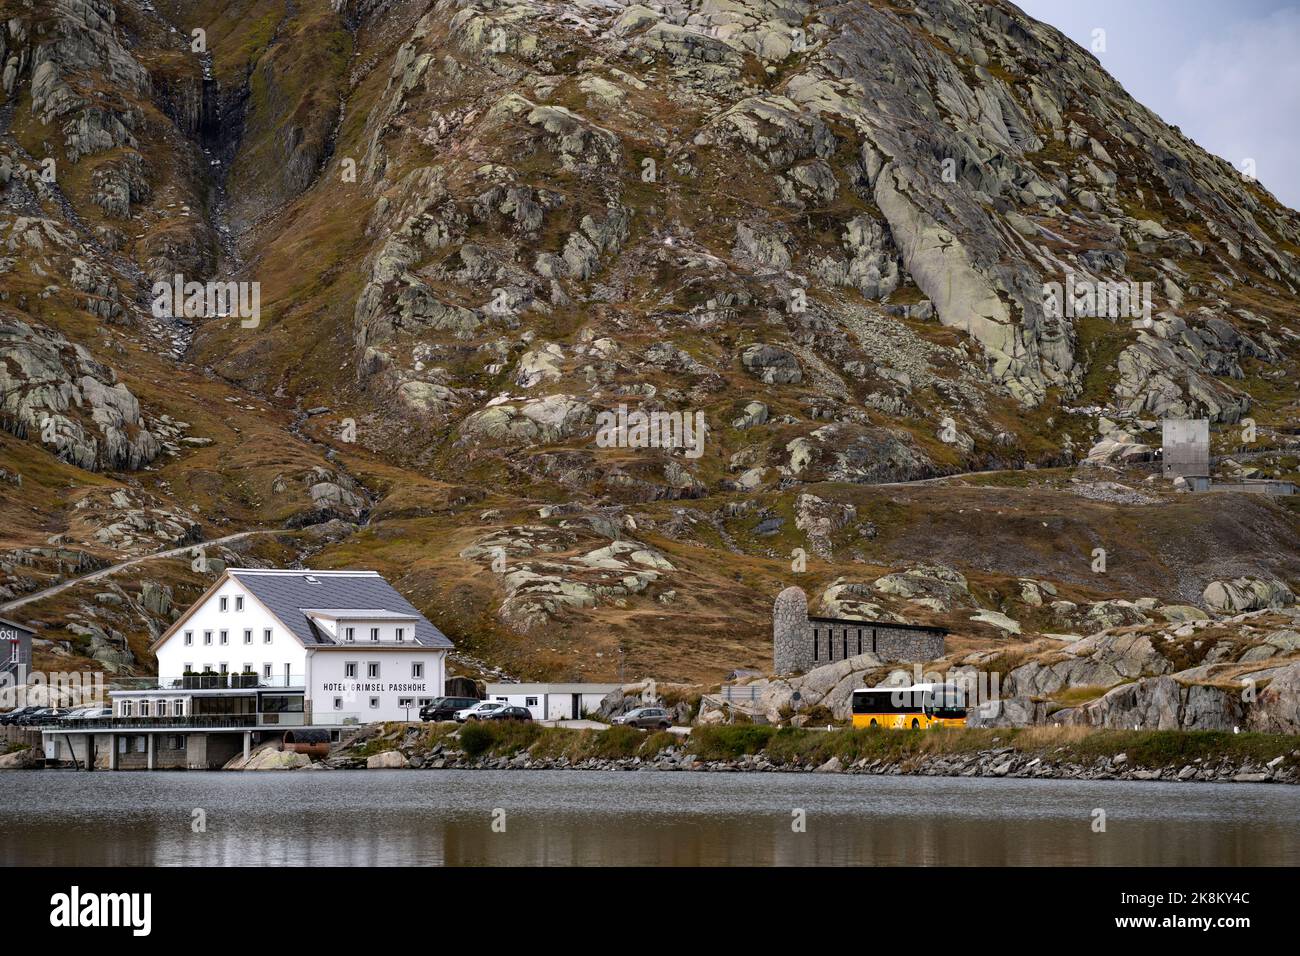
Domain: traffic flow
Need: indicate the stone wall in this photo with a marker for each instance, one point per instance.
(800, 643)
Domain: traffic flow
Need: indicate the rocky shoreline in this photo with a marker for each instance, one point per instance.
(1001, 762)
(1270, 760)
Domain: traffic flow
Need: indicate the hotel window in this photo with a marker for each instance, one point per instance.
(126, 708)
(225, 601)
(417, 670)
(239, 602)
(178, 708)
(187, 668)
(225, 667)
(144, 708)
(225, 637)
(189, 638)
(374, 633)
(350, 669)
(266, 636)
(401, 633)
(207, 637)
(349, 634)
(426, 701)
(530, 701)
(248, 669)
(248, 635)
(338, 703)
(266, 671)
(374, 703)
(372, 669)
(406, 702)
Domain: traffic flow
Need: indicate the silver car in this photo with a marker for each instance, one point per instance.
(647, 718)
(479, 710)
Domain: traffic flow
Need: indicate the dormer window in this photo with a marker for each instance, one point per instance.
(350, 634)
(374, 633)
(401, 634)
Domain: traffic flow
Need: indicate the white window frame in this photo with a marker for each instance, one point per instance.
(417, 670)
(372, 670)
(266, 635)
(189, 638)
(225, 603)
(350, 670)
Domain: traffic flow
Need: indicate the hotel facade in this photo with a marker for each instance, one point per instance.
(262, 653)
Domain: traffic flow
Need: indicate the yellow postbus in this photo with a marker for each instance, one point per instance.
(918, 707)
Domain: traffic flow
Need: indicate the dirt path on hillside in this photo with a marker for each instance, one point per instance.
(114, 568)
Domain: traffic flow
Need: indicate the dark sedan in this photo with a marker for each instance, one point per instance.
(444, 708)
(509, 713)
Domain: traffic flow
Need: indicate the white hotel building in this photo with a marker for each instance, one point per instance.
(265, 651)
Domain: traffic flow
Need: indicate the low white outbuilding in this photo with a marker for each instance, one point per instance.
(553, 701)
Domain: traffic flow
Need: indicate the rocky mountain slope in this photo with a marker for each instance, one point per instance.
(476, 226)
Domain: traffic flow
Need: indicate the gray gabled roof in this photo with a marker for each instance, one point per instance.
(290, 594)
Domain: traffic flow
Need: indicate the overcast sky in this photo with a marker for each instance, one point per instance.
(1225, 72)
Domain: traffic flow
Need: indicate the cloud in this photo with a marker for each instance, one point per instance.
(1241, 91)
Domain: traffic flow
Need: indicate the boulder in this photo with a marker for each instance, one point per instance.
(271, 759)
(1246, 594)
(388, 760)
(1277, 708)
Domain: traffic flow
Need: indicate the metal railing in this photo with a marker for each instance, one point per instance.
(211, 681)
(197, 722)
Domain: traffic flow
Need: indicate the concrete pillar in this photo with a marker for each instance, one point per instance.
(248, 743)
(149, 739)
(112, 751)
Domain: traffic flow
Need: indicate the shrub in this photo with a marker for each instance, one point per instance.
(727, 741)
(476, 737)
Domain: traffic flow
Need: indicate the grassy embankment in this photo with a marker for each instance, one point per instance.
(789, 745)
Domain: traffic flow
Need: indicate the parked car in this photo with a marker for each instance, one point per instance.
(444, 708)
(40, 716)
(88, 713)
(14, 716)
(508, 713)
(479, 709)
(646, 718)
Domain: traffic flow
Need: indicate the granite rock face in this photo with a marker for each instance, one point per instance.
(56, 392)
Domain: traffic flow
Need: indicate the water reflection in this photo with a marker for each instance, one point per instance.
(587, 818)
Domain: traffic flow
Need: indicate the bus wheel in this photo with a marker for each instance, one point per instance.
(915, 723)
(873, 722)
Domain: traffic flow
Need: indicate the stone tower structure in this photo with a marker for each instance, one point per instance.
(789, 624)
